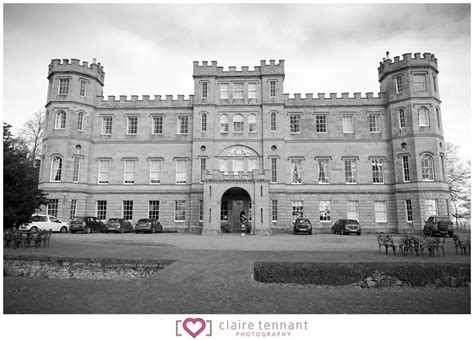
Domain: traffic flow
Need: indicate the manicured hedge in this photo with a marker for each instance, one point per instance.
(340, 274)
(103, 261)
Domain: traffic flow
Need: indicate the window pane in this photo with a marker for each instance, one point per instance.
(321, 123)
(128, 210)
(347, 123)
(427, 168)
(132, 125)
(273, 121)
(350, 170)
(374, 123)
(106, 125)
(157, 124)
(154, 209)
(325, 211)
(180, 211)
(183, 124)
(204, 122)
(423, 116)
(401, 115)
(238, 91)
(103, 171)
(380, 211)
(56, 169)
(224, 91)
(297, 209)
(323, 176)
(419, 82)
(252, 91)
(102, 210)
(353, 210)
(296, 175)
(129, 172)
(238, 121)
(155, 171)
(295, 123)
(75, 172)
(181, 172)
(224, 124)
(252, 123)
(377, 171)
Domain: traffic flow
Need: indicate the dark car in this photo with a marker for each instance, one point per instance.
(86, 224)
(118, 225)
(346, 226)
(148, 224)
(438, 225)
(302, 225)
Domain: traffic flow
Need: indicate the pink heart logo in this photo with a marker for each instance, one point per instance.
(196, 326)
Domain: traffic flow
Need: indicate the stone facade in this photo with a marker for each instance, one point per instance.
(240, 144)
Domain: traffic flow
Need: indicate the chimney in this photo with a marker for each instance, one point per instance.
(387, 54)
(94, 60)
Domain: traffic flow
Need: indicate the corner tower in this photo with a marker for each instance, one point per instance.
(73, 93)
(413, 105)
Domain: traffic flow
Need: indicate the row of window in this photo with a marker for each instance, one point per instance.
(238, 122)
(419, 83)
(423, 117)
(237, 90)
(63, 89)
(241, 164)
(297, 210)
(352, 208)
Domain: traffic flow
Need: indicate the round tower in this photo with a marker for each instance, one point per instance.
(73, 93)
(418, 146)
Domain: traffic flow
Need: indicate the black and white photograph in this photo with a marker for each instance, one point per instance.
(236, 170)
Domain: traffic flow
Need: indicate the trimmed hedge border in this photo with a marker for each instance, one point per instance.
(342, 274)
(81, 268)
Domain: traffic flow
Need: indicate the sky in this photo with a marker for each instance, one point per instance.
(148, 49)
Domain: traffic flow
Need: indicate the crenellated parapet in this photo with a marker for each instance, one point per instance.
(388, 66)
(157, 101)
(94, 70)
(212, 70)
(333, 99)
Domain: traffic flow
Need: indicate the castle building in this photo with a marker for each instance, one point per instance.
(240, 144)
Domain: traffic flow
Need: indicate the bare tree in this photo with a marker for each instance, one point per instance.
(459, 181)
(32, 134)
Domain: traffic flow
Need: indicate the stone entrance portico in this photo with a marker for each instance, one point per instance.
(234, 185)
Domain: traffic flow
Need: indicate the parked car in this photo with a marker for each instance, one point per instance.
(86, 224)
(44, 222)
(302, 225)
(148, 224)
(438, 225)
(118, 225)
(346, 226)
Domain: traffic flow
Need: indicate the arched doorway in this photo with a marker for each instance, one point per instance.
(233, 202)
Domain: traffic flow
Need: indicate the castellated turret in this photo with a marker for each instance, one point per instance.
(74, 91)
(413, 105)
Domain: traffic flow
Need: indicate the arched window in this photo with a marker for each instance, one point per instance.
(56, 169)
(401, 117)
(224, 124)
(252, 123)
(423, 116)
(60, 122)
(80, 121)
(204, 122)
(427, 173)
(238, 123)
